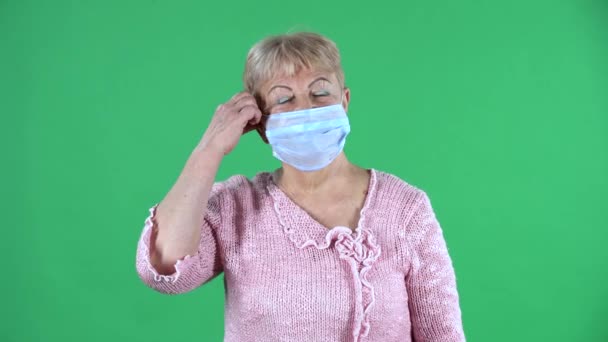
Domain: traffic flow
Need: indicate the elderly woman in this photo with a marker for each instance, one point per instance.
(317, 250)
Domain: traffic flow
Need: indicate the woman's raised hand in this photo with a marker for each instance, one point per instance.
(231, 120)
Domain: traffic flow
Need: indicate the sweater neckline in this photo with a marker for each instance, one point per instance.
(302, 228)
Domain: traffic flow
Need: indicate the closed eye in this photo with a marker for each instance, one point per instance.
(284, 99)
(321, 93)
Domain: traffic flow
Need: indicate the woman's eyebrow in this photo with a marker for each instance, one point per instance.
(319, 79)
(278, 86)
(309, 85)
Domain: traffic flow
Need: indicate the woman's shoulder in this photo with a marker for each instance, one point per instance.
(392, 186)
(394, 190)
(399, 199)
(240, 186)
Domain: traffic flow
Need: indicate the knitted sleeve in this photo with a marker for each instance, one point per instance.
(191, 271)
(431, 281)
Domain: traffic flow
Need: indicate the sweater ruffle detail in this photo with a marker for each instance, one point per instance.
(359, 248)
(179, 264)
(361, 252)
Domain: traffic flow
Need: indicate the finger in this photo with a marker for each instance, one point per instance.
(238, 96)
(257, 127)
(249, 128)
(246, 101)
(236, 101)
(251, 114)
(257, 119)
(235, 96)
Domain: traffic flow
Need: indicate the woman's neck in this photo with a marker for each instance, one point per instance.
(299, 182)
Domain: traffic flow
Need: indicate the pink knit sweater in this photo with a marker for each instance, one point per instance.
(289, 278)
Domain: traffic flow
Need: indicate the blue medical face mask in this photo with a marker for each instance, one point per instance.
(308, 139)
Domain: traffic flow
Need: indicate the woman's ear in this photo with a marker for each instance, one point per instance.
(346, 98)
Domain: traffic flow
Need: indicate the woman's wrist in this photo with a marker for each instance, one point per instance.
(208, 152)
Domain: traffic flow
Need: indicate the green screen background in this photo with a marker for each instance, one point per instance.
(497, 109)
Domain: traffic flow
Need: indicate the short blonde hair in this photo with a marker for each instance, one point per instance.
(287, 54)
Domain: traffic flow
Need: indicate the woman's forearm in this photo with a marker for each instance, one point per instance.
(179, 215)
